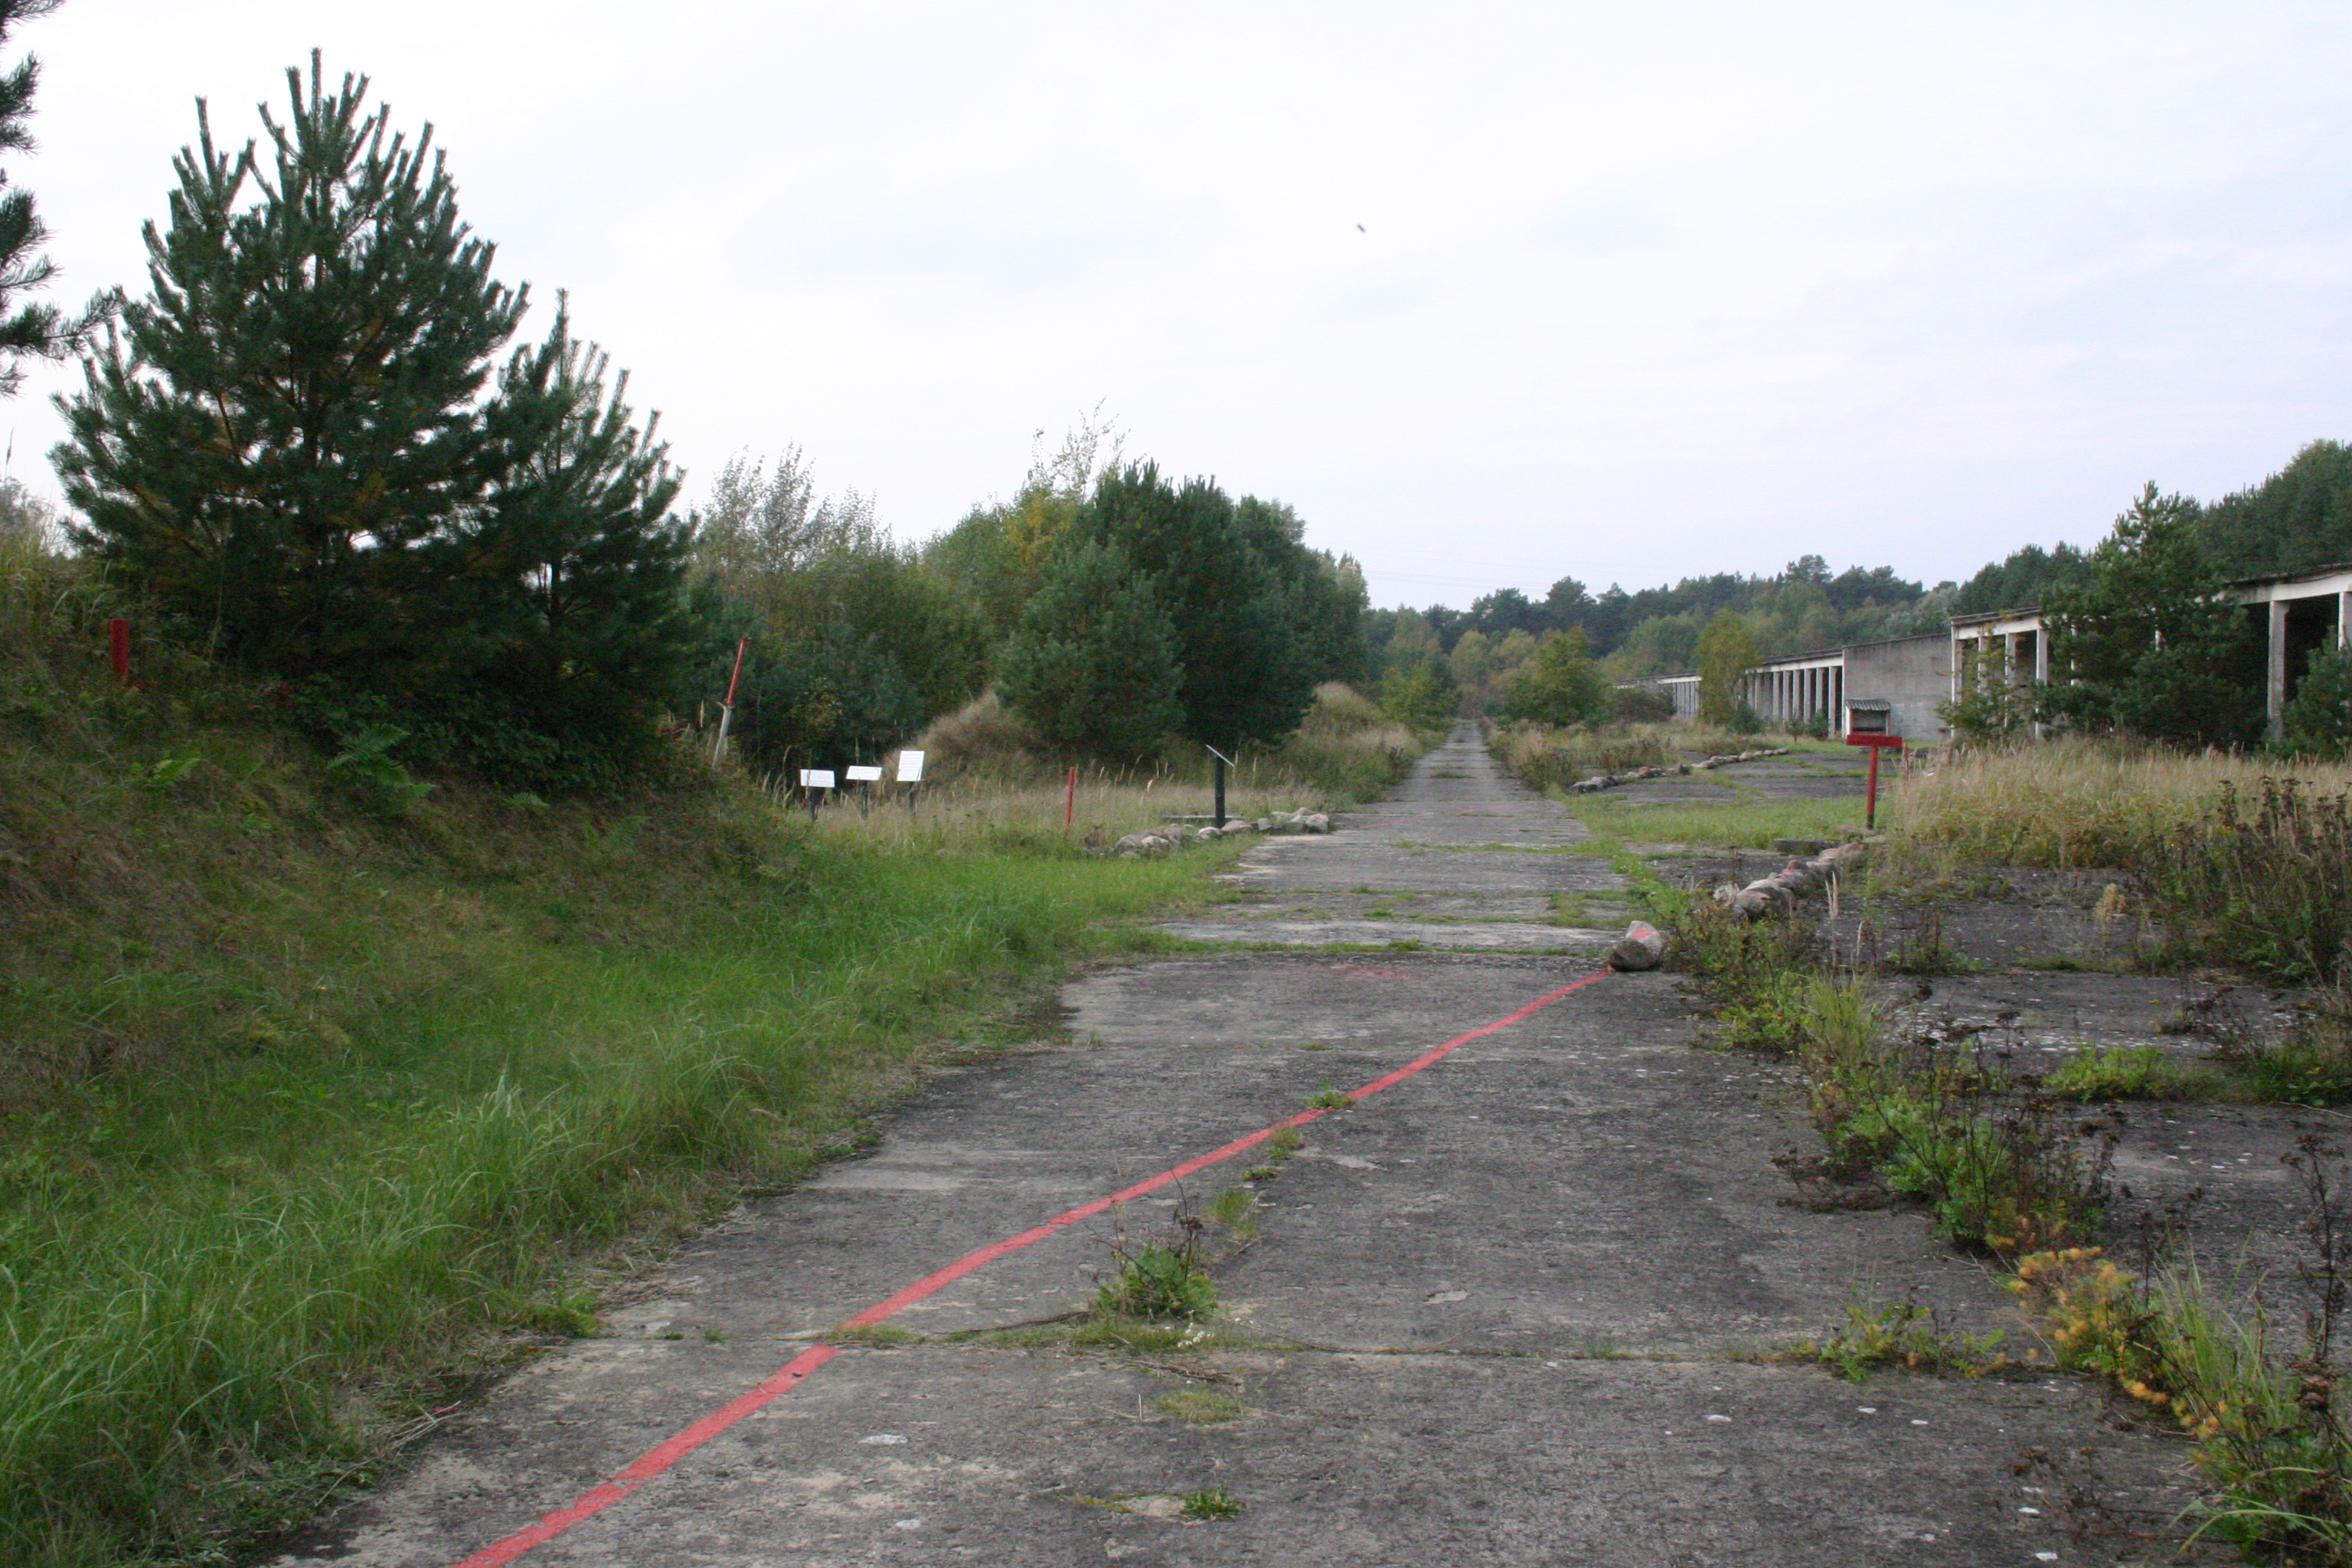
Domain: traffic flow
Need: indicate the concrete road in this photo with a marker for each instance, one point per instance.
(1519, 1308)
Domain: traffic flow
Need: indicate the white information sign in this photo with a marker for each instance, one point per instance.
(910, 768)
(816, 778)
(865, 775)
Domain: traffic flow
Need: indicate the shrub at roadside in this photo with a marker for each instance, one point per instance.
(2265, 880)
(2268, 1418)
(1559, 685)
(1543, 757)
(1345, 751)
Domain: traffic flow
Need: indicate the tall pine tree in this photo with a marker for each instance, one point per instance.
(1247, 639)
(578, 566)
(294, 444)
(29, 329)
(2145, 640)
(289, 418)
(1093, 664)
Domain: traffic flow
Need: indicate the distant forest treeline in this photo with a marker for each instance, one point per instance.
(2297, 518)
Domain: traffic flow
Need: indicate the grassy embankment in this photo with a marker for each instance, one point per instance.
(2246, 867)
(309, 1105)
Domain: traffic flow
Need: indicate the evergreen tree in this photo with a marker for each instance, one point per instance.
(584, 567)
(29, 330)
(289, 446)
(2318, 719)
(2298, 519)
(2145, 641)
(287, 421)
(1227, 579)
(1094, 663)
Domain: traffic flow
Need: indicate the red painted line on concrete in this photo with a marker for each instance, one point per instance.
(657, 1459)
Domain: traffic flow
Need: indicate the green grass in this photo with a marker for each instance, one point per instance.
(198, 1265)
(1741, 825)
(2130, 1072)
(1202, 1406)
(316, 1100)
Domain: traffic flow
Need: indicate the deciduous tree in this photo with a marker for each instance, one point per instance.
(1559, 686)
(1726, 652)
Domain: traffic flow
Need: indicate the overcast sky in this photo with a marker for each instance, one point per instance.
(1491, 293)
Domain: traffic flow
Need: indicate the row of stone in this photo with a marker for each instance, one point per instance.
(1160, 840)
(1610, 781)
(1767, 895)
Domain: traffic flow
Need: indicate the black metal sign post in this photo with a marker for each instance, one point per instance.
(1222, 762)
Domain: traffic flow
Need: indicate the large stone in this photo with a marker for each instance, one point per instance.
(1641, 947)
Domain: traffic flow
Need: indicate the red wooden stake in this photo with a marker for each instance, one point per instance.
(1070, 805)
(118, 648)
(1876, 743)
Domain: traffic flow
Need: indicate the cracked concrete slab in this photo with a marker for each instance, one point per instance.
(1499, 1313)
(1468, 934)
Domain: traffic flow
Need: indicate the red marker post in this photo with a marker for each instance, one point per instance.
(727, 709)
(1070, 803)
(1876, 743)
(118, 648)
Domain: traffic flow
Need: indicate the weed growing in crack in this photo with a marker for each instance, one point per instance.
(1920, 948)
(1235, 1209)
(1330, 1098)
(2126, 1072)
(1754, 970)
(2270, 1430)
(1159, 1280)
(1136, 1336)
(1905, 1335)
(1213, 1502)
(2311, 1065)
(1202, 1406)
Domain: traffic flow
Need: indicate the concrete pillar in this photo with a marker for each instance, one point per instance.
(2274, 692)
(2344, 619)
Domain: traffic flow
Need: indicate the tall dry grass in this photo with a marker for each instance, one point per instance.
(991, 783)
(1543, 757)
(2080, 802)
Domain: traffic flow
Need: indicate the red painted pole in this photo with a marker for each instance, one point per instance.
(118, 648)
(727, 709)
(1070, 805)
(737, 674)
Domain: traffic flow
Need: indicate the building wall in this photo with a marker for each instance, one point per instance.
(1913, 676)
